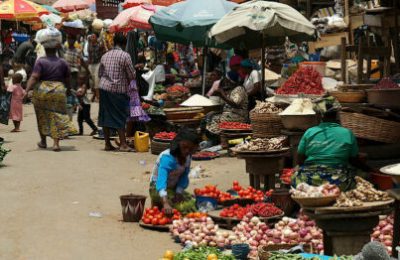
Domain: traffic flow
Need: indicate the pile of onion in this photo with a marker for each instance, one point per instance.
(383, 233)
(200, 232)
(251, 231)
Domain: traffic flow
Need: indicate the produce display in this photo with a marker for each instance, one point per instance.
(153, 216)
(276, 255)
(196, 215)
(204, 154)
(249, 192)
(177, 89)
(203, 253)
(386, 83)
(259, 209)
(262, 144)
(364, 192)
(266, 107)
(305, 80)
(383, 233)
(234, 125)
(304, 190)
(299, 106)
(286, 176)
(168, 136)
(199, 232)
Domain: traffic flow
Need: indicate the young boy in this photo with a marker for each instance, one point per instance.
(72, 104)
(84, 107)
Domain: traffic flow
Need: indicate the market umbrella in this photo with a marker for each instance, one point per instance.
(66, 6)
(257, 23)
(165, 2)
(51, 9)
(132, 3)
(189, 21)
(21, 10)
(134, 17)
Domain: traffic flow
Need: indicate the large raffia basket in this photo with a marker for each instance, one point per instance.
(371, 128)
(266, 124)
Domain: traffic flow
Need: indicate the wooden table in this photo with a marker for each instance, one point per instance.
(294, 140)
(395, 193)
(262, 167)
(346, 232)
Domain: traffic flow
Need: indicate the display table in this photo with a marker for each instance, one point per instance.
(262, 167)
(346, 231)
(294, 140)
(395, 193)
(226, 136)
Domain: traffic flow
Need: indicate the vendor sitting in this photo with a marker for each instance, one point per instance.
(326, 153)
(170, 175)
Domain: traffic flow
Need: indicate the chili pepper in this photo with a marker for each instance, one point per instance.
(305, 80)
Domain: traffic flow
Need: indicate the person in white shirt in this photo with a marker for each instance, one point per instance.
(252, 81)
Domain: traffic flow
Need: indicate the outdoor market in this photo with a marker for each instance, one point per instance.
(240, 129)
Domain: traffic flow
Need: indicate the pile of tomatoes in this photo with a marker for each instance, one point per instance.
(234, 211)
(165, 135)
(213, 192)
(259, 209)
(153, 216)
(234, 125)
(196, 215)
(250, 192)
(286, 176)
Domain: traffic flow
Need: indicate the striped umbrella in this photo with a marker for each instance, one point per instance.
(21, 10)
(66, 6)
(134, 17)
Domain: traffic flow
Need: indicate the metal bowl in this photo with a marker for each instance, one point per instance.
(386, 170)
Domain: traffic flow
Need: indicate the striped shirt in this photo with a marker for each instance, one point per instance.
(116, 71)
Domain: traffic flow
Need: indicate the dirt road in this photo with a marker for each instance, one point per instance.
(46, 198)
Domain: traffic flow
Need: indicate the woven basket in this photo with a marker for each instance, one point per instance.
(264, 251)
(315, 202)
(371, 128)
(265, 125)
(158, 147)
(349, 96)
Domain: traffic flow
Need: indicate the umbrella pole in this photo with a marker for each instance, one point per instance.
(263, 90)
(203, 85)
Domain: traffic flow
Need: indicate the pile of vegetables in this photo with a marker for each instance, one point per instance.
(204, 154)
(305, 80)
(196, 215)
(304, 190)
(383, 233)
(234, 125)
(177, 89)
(153, 216)
(203, 253)
(386, 83)
(276, 255)
(266, 107)
(198, 232)
(165, 136)
(286, 176)
(259, 209)
(262, 144)
(364, 192)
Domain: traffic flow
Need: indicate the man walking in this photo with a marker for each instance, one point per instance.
(95, 51)
(116, 72)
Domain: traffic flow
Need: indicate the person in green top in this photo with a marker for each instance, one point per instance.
(328, 153)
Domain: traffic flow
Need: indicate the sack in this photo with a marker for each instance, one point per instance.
(5, 104)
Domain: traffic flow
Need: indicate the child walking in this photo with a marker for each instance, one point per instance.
(17, 98)
(84, 107)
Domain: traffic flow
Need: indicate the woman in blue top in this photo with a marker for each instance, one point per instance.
(170, 175)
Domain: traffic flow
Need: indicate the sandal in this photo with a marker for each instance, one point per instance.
(41, 145)
(110, 149)
(127, 150)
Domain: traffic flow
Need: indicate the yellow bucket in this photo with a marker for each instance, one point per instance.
(142, 141)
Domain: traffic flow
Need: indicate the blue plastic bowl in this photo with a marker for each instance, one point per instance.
(201, 200)
(20, 37)
(240, 251)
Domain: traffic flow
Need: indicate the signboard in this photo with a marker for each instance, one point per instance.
(107, 9)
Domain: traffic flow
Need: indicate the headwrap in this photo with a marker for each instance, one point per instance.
(235, 60)
(49, 37)
(247, 63)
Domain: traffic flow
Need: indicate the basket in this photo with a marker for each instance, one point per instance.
(299, 122)
(264, 251)
(132, 207)
(182, 112)
(265, 124)
(204, 201)
(158, 147)
(316, 201)
(349, 96)
(371, 128)
(240, 251)
(388, 98)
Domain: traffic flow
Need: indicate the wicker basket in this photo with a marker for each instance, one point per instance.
(388, 98)
(315, 202)
(266, 125)
(349, 96)
(158, 147)
(264, 251)
(371, 128)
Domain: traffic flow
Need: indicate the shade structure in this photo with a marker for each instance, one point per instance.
(51, 9)
(134, 17)
(21, 10)
(66, 6)
(261, 23)
(189, 21)
(132, 3)
(165, 2)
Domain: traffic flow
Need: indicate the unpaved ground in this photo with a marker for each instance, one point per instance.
(46, 198)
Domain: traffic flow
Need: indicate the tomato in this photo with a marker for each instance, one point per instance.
(154, 221)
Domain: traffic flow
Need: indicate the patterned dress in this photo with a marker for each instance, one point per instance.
(137, 113)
